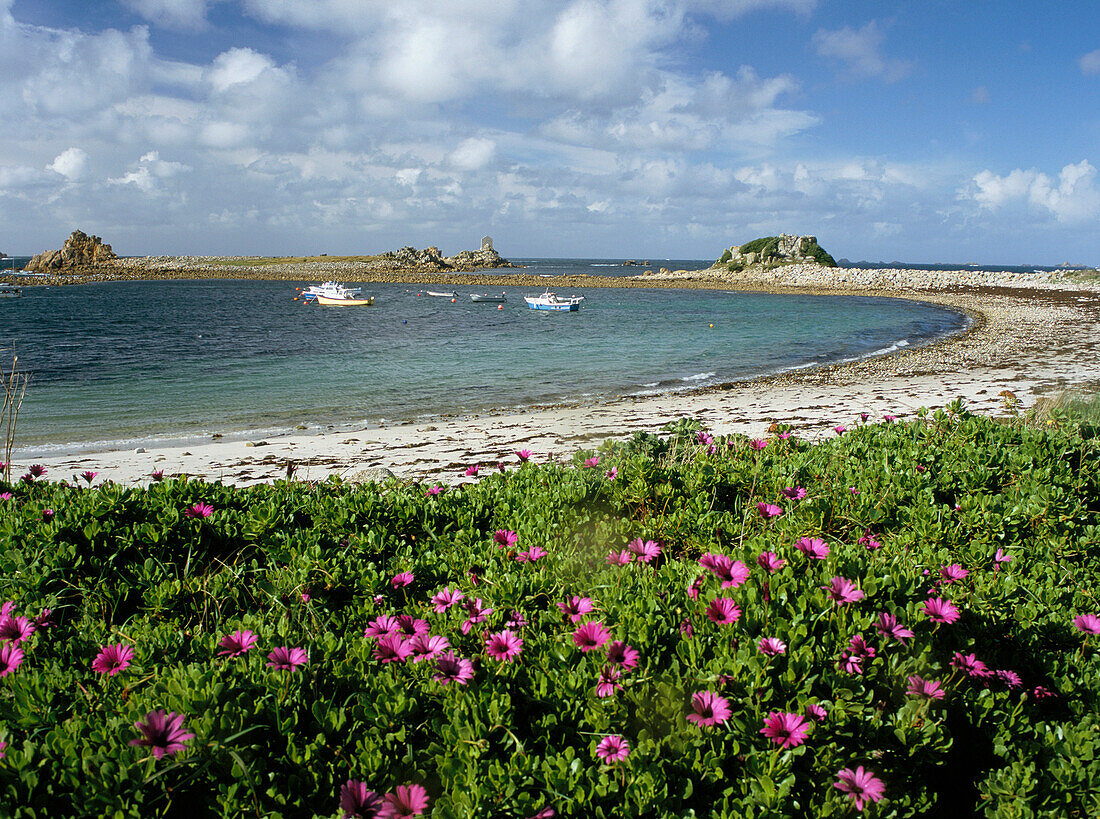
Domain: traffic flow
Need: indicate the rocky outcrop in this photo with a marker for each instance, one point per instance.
(770, 251)
(431, 259)
(79, 252)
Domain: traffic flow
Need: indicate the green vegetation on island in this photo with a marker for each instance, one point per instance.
(774, 251)
(900, 621)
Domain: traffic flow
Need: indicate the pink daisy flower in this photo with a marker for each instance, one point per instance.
(620, 558)
(646, 552)
(869, 542)
(1010, 678)
(112, 659)
(723, 610)
(15, 629)
(785, 730)
(940, 610)
(431, 491)
(523, 454)
(531, 555)
(591, 462)
(772, 646)
(813, 547)
(768, 510)
(199, 510)
(402, 579)
(1087, 623)
(357, 801)
(11, 656)
(406, 801)
(841, 590)
(478, 614)
(952, 573)
(237, 644)
(286, 658)
(971, 665)
(622, 655)
(382, 626)
(608, 682)
(503, 645)
(88, 475)
(427, 646)
(613, 749)
(444, 599)
(452, 669)
(710, 709)
(411, 626)
(860, 785)
(163, 733)
(816, 712)
(591, 635)
(731, 573)
(471, 471)
(888, 627)
(392, 648)
(999, 558)
(794, 493)
(696, 586)
(505, 538)
(770, 562)
(576, 607)
(611, 474)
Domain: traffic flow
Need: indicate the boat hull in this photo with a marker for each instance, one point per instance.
(345, 302)
(555, 308)
(492, 299)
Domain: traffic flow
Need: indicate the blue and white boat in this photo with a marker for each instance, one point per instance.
(559, 304)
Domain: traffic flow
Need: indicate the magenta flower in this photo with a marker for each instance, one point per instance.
(4, 745)
(163, 733)
(888, 627)
(112, 659)
(591, 635)
(591, 462)
(710, 709)
(576, 607)
(1010, 678)
(36, 471)
(815, 712)
(723, 610)
(785, 730)
(531, 555)
(647, 552)
(731, 573)
(504, 645)
(772, 646)
(612, 473)
(768, 510)
(940, 610)
(622, 655)
(15, 629)
(608, 682)
(443, 600)
(860, 785)
(687, 629)
(88, 475)
(696, 586)
(237, 644)
(613, 749)
(44, 620)
(704, 438)
(889, 418)
(7, 608)
(452, 669)
(10, 658)
(477, 614)
(620, 558)
(1087, 623)
(523, 454)
(840, 429)
(435, 489)
(770, 562)
(783, 436)
(382, 626)
(999, 558)
(971, 665)
(757, 444)
(356, 800)
(410, 626)
(794, 493)
(427, 646)
(402, 579)
(869, 542)
(408, 801)
(858, 646)
(952, 573)
(505, 538)
(863, 416)
(199, 510)
(471, 471)
(392, 648)
(813, 547)
(285, 658)
(157, 475)
(841, 590)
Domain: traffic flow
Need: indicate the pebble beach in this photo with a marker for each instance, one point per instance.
(1031, 337)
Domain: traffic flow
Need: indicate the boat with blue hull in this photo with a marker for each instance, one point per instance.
(554, 303)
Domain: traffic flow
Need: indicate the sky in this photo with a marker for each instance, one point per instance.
(925, 132)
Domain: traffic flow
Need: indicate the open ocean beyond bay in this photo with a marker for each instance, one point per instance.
(126, 364)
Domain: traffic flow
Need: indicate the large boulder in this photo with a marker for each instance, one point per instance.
(80, 251)
(431, 259)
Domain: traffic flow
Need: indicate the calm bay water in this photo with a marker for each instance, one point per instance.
(133, 363)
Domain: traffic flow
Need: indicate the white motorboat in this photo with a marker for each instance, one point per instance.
(333, 293)
(487, 297)
(552, 302)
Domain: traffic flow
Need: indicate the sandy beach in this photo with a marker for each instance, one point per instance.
(1028, 339)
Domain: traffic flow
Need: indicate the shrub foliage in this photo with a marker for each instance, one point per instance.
(1000, 520)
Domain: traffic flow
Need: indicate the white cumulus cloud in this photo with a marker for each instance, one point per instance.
(70, 163)
(1072, 198)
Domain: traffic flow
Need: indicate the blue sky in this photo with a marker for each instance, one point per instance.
(924, 132)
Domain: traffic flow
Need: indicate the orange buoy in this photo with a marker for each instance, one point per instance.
(500, 307)
(452, 301)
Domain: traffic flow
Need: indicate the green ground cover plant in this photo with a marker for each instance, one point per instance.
(899, 621)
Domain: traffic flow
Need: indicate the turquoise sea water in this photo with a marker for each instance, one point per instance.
(126, 364)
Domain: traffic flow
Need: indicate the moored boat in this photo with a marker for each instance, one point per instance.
(554, 303)
(442, 295)
(333, 293)
(487, 297)
(8, 292)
